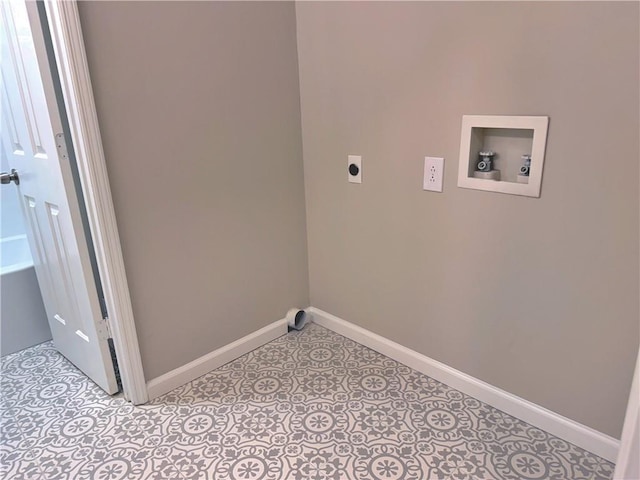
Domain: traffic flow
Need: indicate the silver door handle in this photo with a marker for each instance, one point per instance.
(10, 177)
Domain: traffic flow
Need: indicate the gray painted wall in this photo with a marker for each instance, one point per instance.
(198, 104)
(536, 296)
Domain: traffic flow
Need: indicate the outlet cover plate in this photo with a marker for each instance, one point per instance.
(433, 174)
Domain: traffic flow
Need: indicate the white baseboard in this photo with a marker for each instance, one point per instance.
(200, 366)
(562, 427)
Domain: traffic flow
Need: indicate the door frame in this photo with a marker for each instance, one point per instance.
(628, 460)
(63, 22)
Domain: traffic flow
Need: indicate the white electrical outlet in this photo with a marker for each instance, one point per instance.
(433, 174)
(354, 168)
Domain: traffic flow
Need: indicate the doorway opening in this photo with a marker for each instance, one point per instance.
(24, 320)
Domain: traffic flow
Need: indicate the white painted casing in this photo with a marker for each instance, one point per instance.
(628, 461)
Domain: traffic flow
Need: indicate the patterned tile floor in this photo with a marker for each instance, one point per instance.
(309, 405)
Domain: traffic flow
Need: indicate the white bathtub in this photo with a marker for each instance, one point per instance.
(23, 320)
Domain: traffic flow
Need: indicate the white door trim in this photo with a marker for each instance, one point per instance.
(628, 462)
(73, 71)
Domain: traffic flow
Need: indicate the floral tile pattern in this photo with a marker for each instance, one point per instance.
(309, 405)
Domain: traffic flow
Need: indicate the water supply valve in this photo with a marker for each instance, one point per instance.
(524, 169)
(486, 161)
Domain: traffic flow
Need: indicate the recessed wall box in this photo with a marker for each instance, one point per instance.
(492, 148)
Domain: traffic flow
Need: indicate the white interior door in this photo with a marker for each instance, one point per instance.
(32, 140)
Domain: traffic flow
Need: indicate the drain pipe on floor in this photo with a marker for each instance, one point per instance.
(297, 318)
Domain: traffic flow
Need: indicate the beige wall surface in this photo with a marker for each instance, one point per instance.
(199, 109)
(536, 296)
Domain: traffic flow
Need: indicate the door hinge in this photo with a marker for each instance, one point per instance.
(103, 307)
(61, 146)
(104, 330)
